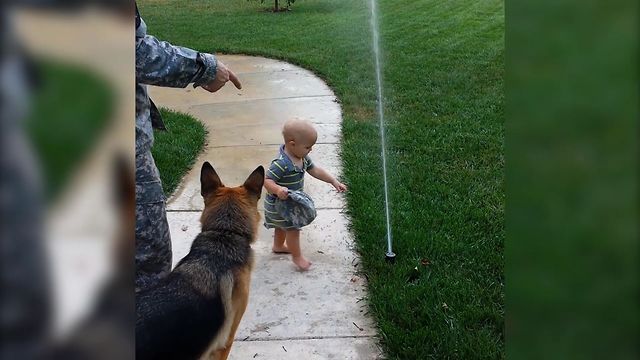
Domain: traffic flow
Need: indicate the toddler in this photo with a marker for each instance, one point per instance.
(287, 173)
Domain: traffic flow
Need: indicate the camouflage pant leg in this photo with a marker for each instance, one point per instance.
(25, 292)
(153, 241)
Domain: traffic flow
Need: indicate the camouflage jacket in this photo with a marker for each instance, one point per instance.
(162, 64)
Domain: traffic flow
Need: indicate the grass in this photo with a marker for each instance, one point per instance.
(71, 107)
(573, 212)
(443, 68)
(175, 150)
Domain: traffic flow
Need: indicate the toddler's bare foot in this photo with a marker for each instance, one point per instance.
(280, 249)
(302, 263)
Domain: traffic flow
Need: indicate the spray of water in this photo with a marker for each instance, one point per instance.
(376, 52)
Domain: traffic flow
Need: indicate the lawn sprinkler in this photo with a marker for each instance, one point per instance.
(390, 256)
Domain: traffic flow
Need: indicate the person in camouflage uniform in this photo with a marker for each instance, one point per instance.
(162, 64)
(25, 290)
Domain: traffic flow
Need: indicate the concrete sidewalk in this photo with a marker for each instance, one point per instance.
(319, 314)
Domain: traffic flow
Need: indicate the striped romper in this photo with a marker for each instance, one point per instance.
(284, 173)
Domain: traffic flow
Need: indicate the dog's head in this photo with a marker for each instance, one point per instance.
(231, 208)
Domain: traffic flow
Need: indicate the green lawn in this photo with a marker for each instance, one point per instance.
(71, 107)
(443, 68)
(175, 150)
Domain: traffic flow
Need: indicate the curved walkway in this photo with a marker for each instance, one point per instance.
(317, 314)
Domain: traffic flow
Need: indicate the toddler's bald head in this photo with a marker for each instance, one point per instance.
(299, 131)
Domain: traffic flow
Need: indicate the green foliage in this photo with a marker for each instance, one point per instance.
(277, 5)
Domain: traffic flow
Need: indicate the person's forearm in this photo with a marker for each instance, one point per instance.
(323, 175)
(160, 63)
(271, 186)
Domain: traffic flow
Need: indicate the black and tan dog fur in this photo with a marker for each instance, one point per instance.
(195, 311)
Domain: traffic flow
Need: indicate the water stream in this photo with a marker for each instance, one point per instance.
(376, 52)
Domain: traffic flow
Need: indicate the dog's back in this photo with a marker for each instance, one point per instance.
(195, 310)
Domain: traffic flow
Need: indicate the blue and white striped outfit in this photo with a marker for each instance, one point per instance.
(284, 173)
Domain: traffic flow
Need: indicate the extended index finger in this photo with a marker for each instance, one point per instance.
(234, 79)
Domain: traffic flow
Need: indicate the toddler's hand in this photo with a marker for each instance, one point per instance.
(340, 186)
(283, 193)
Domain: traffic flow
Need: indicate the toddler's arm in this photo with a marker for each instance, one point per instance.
(321, 174)
(280, 191)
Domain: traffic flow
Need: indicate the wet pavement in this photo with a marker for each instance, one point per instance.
(319, 314)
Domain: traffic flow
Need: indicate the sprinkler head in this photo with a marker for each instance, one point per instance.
(390, 256)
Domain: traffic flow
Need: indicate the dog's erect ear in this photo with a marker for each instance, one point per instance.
(209, 180)
(254, 182)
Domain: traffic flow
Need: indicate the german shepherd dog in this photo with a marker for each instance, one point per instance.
(195, 311)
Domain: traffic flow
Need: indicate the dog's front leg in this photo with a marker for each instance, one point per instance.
(240, 300)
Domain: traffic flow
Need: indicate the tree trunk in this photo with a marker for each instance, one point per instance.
(276, 9)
